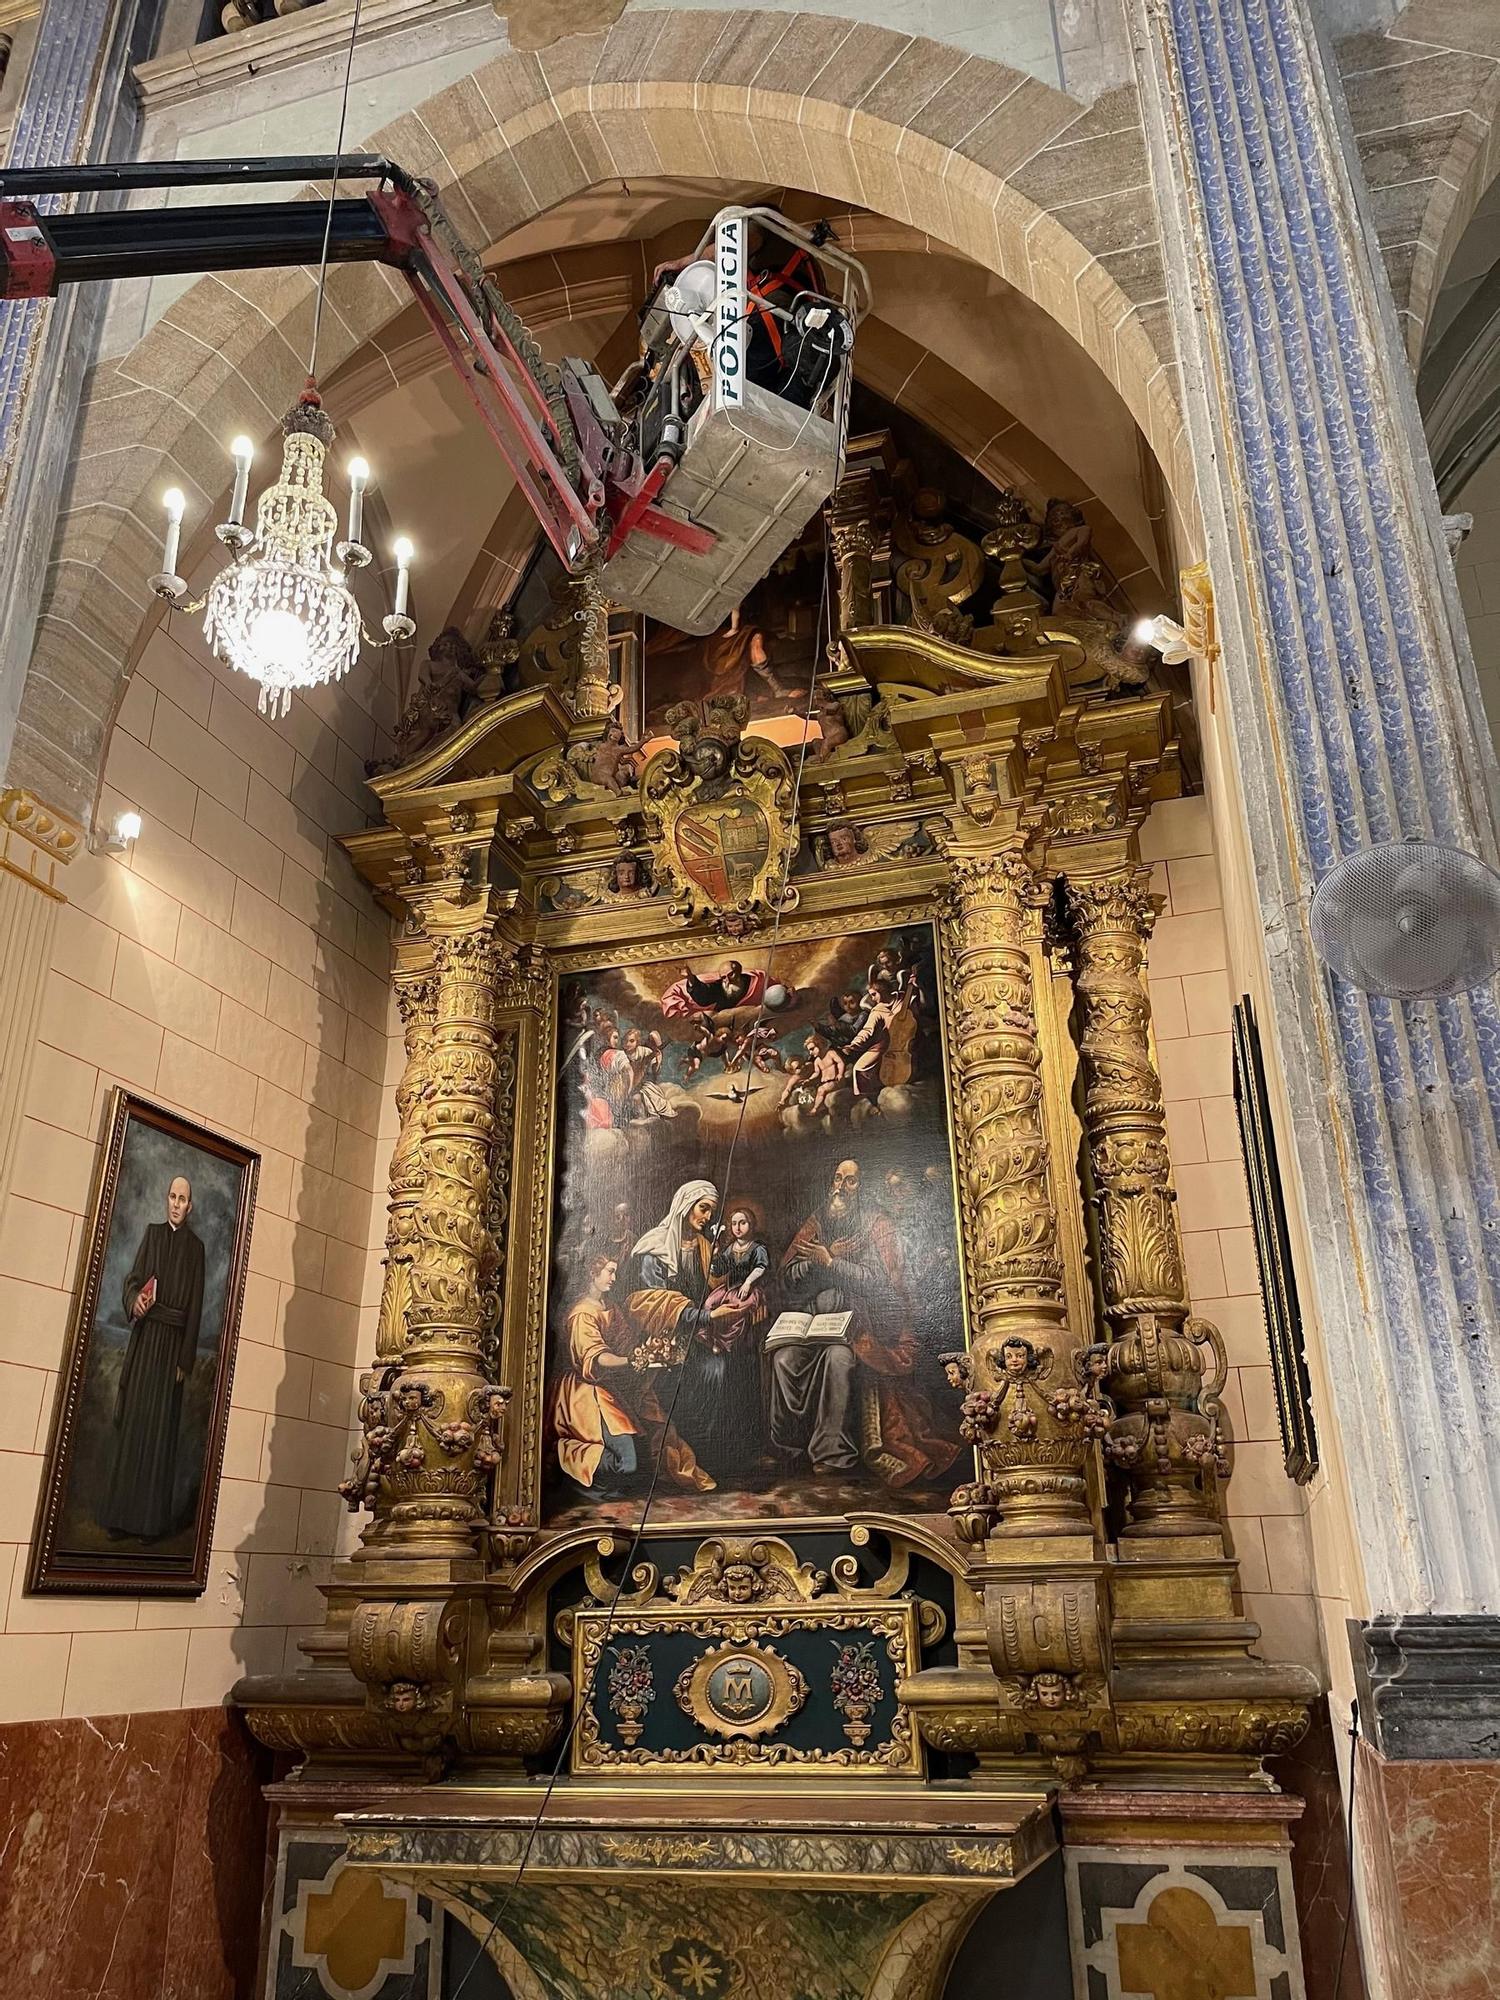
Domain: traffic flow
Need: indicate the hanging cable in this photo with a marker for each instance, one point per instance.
(585, 1693)
(1338, 1977)
(338, 155)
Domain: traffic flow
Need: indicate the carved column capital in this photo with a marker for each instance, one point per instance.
(1120, 903)
(853, 538)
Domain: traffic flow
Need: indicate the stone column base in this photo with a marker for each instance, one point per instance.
(1178, 1894)
(1427, 1803)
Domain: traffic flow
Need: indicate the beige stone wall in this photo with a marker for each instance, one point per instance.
(1191, 997)
(1331, 1584)
(1478, 566)
(230, 967)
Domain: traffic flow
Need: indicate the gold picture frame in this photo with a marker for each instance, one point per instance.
(142, 1408)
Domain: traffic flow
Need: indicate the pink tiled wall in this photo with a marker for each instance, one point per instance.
(232, 967)
(1191, 999)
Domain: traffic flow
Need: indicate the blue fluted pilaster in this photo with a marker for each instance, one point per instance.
(58, 108)
(1353, 715)
(74, 106)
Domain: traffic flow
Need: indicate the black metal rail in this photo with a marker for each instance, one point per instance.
(230, 236)
(29, 183)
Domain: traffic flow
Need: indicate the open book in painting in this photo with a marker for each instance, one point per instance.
(820, 1328)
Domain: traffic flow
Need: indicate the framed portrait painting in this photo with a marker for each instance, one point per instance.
(137, 1441)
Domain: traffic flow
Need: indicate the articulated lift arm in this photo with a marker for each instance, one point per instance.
(557, 429)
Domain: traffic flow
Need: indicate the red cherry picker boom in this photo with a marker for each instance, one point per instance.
(679, 485)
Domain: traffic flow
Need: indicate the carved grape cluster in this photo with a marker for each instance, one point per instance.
(979, 1415)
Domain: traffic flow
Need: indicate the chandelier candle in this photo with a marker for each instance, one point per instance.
(359, 474)
(404, 553)
(242, 451)
(174, 503)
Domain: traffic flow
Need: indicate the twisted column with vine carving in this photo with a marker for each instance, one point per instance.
(416, 998)
(1165, 1437)
(1033, 1427)
(432, 1432)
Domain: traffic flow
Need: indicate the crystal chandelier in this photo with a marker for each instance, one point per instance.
(281, 611)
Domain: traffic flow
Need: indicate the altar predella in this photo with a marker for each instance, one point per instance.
(753, 1107)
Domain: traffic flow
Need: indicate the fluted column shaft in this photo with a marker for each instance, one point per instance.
(1354, 717)
(853, 555)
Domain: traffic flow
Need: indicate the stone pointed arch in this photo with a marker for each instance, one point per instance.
(989, 161)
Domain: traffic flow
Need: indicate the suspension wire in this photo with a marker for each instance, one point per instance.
(565, 1748)
(338, 155)
(823, 625)
(1338, 1977)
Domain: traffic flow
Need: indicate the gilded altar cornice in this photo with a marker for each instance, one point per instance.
(497, 802)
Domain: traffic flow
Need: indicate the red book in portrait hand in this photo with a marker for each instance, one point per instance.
(145, 1298)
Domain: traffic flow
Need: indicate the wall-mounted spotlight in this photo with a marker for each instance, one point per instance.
(1166, 636)
(123, 832)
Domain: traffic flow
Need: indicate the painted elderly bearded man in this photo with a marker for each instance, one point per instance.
(854, 1403)
(163, 1299)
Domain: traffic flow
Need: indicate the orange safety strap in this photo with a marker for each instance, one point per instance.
(787, 275)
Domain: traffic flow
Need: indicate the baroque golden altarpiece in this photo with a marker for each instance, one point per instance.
(816, 1744)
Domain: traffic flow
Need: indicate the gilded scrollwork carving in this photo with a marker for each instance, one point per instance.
(940, 568)
(1255, 1729)
(408, 1654)
(570, 650)
(729, 1571)
(1165, 1437)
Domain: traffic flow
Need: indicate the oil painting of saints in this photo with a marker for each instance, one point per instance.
(755, 1264)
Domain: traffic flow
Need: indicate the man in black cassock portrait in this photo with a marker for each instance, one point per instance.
(163, 1298)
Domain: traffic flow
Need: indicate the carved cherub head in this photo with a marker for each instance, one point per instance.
(739, 1583)
(1050, 1690)
(1017, 1358)
(959, 1369)
(844, 844)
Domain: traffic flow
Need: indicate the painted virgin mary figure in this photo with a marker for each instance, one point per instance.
(717, 1404)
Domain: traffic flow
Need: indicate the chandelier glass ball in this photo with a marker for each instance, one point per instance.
(281, 612)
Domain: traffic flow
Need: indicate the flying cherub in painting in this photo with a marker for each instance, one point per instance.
(757, 1046)
(710, 1039)
(828, 1071)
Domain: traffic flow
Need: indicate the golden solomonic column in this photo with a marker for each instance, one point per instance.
(1165, 1438)
(1027, 1409)
(432, 1417)
(416, 1001)
(1036, 1682)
